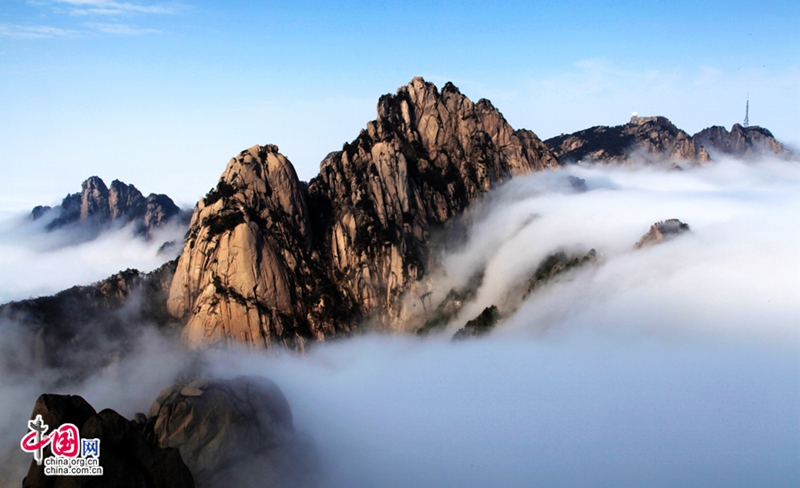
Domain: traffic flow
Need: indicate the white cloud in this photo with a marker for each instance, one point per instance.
(674, 365)
(120, 29)
(89, 8)
(110, 7)
(738, 261)
(35, 263)
(20, 31)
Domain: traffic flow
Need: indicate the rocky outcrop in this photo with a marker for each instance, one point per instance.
(652, 139)
(271, 260)
(656, 139)
(236, 432)
(480, 325)
(661, 231)
(554, 265)
(448, 309)
(78, 331)
(742, 142)
(38, 212)
(127, 457)
(97, 204)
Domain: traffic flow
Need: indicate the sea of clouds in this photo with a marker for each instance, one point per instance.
(672, 365)
(35, 262)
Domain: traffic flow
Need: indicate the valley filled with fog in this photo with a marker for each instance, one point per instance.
(676, 364)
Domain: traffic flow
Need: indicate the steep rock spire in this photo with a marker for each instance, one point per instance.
(271, 260)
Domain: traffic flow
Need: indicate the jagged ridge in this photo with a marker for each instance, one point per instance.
(657, 136)
(98, 204)
(271, 260)
(656, 139)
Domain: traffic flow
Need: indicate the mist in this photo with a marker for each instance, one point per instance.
(34, 262)
(738, 266)
(672, 365)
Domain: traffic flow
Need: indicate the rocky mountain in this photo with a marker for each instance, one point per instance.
(654, 139)
(272, 260)
(80, 331)
(742, 142)
(657, 140)
(236, 432)
(207, 432)
(97, 204)
(128, 459)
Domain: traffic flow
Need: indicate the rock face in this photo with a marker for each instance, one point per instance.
(97, 204)
(480, 325)
(654, 139)
(661, 231)
(38, 212)
(555, 264)
(127, 457)
(743, 142)
(447, 309)
(79, 331)
(271, 260)
(235, 432)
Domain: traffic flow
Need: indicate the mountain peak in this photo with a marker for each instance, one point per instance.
(97, 204)
(272, 260)
(742, 142)
(656, 139)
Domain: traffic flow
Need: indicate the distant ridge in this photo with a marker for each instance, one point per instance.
(96, 204)
(657, 140)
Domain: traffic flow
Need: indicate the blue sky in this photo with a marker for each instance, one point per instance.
(162, 94)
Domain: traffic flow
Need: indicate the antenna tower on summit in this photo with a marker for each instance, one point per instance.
(747, 112)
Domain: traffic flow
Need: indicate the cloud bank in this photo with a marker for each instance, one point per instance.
(35, 263)
(673, 365)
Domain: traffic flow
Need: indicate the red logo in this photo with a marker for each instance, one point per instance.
(64, 441)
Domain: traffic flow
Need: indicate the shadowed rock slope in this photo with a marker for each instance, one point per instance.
(654, 139)
(272, 260)
(743, 142)
(657, 140)
(128, 459)
(77, 332)
(235, 432)
(97, 204)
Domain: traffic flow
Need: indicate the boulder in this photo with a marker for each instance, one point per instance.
(236, 432)
(127, 457)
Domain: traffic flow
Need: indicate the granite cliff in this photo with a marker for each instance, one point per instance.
(662, 231)
(272, 260)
